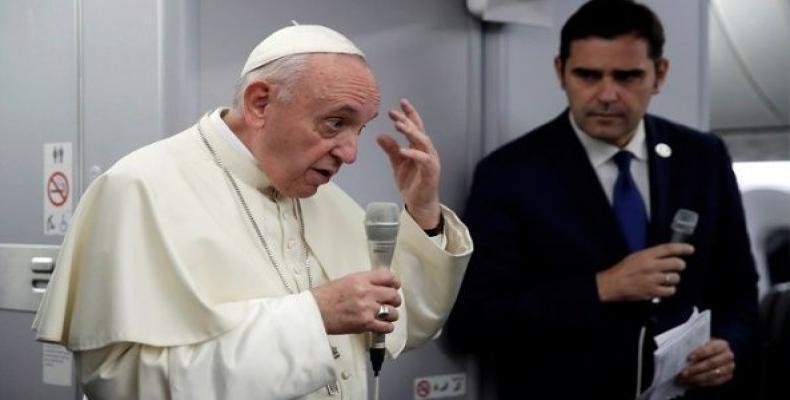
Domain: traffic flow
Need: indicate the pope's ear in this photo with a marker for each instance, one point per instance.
(257, 96)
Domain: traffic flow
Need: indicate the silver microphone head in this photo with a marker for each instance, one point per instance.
(382, 221)
(381, 227)
(685, 222)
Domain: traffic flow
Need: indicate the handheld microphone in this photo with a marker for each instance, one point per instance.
(684, 223)
(381, 228)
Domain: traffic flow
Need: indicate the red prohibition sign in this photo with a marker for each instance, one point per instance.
(423, 388)
(57, 189)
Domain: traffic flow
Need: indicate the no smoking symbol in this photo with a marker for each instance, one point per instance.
(423, 388)
(57, 189)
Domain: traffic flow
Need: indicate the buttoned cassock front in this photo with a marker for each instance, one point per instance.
(164, 291)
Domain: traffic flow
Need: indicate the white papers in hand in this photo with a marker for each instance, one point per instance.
(673, 348)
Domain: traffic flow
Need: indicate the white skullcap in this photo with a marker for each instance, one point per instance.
(299, 39)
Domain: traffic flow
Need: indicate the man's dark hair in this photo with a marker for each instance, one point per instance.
(608, 19)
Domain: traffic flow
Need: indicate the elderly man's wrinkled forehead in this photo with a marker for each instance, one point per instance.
(340, 77)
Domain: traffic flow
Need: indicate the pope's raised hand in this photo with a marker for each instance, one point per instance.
(416, 167)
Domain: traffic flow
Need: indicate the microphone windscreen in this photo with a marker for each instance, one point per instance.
(685, 221)
(382, 221)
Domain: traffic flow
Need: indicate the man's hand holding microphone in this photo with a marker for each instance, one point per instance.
(646, 274)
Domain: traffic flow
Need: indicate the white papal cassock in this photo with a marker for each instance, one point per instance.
(164, 291)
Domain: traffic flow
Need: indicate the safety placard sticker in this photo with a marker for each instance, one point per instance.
(439, 386)
(57, 363)
(58, 188)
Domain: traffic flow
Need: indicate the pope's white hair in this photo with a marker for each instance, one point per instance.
(283, 72)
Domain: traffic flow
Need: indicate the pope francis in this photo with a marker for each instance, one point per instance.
(222, 263)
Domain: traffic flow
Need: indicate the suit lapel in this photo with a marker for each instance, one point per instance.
(659, 175)
(594, 211)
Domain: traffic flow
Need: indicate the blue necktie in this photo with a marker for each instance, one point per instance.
(628, 205)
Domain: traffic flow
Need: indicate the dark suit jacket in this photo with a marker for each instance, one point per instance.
(543, 228)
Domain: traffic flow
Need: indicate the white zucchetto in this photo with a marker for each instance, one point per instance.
(299, 39)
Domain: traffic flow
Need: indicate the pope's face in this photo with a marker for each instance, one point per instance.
(609, 84)
(306, 139)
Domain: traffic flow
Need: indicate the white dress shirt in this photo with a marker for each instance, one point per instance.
(601, 155)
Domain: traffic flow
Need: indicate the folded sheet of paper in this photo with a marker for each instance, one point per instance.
(673, 348)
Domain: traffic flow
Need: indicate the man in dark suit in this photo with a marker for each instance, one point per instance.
(572, 222)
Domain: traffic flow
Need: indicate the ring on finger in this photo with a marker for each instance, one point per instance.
(383, 313)
(717, 371)
(667, 279)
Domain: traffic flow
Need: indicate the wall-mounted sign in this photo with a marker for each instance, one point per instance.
(58, 188)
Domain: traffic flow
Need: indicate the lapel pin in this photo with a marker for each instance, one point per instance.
(663, 150)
